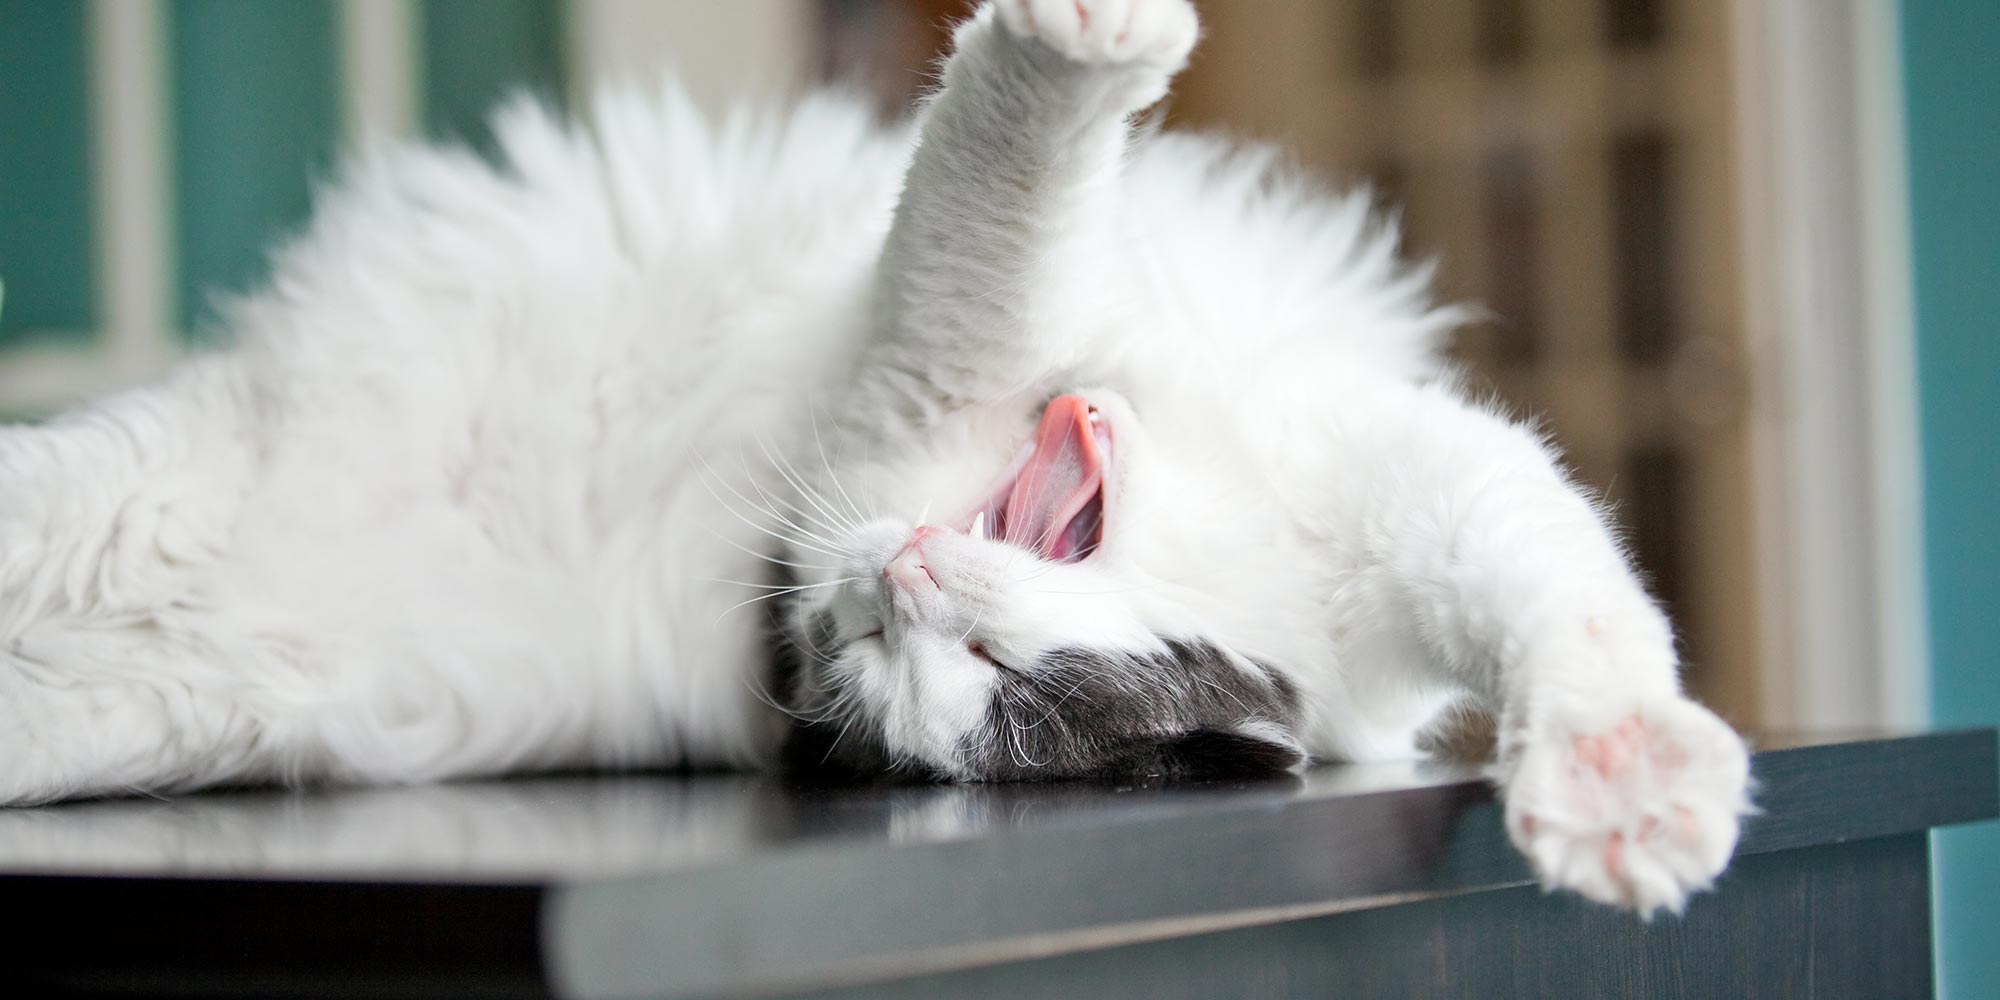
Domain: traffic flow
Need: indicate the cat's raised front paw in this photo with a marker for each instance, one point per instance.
(1638, 809)
(1108, 32)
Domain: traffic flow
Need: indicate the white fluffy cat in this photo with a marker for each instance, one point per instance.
(1064, 451)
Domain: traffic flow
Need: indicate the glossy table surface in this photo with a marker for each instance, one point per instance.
(695, 884)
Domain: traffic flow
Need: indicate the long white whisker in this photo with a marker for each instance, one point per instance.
(817, 654)
(781, 516)
(800, 530)
(758, 691)
(828, 466)
(746, 550)
(818, 498)
(831, 520)
(776, 593)
(1019, 748)
(831, 747)
(780, 536)
(974, 625)
(786, 587)
(826, 547)
(1087, 678)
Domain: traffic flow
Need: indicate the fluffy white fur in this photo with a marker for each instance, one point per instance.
(489, 464)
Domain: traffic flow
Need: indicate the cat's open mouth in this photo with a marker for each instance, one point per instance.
(1052, 498)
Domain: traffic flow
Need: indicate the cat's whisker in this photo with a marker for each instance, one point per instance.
(746, 550)
(818, 497)
(755, 686)
(711, 476)
(819, 712)
(1067, 695)
(975, 624)
(819, 656)
(767, 507)
(802, 532)
(780, 536)
(788, 521)
(835, 745)
(1016, 744)
(786, 587)
(833, 665)
(812, 649)
(828, 466)
(776, 593)
(791, 521)
(829, 519)
(831, 516)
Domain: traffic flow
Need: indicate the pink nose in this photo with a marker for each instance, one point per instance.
(908, 569)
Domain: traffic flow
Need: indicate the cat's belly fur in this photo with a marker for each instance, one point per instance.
(460, 498)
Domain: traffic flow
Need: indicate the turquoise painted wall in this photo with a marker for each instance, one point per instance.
(474, 55)
(257, 112)
(253, 109)
(256, 118)
(1951, 72)
(45, 159)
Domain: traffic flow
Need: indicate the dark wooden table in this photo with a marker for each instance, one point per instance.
(1392, 880)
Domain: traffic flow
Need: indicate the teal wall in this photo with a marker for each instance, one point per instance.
(475, 55)
(1951, 70)
(45, 233)
(252, 108)
(256, 116)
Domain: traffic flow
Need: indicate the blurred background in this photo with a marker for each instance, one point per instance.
(1739, 254)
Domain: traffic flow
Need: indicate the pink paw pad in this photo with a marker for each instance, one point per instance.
(1637, 809)
(1611, 754)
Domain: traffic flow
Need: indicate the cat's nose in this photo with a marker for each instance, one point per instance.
(909, 570)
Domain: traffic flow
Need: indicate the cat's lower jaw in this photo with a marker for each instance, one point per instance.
(1634, 805)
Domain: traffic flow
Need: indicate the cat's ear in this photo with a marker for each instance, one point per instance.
(1249, 748)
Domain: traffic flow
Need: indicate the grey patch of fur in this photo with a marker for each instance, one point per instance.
(1190, 707)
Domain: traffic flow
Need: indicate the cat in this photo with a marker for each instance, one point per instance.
(1014, 442)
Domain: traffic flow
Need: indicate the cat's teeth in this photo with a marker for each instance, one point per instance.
(979, 525)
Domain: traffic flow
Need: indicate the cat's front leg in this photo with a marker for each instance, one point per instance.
(1002, 257)
(1616, 784)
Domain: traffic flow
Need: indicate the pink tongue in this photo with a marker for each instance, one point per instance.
(1062, 475)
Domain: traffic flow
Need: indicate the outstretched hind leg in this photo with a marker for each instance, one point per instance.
(134, 705)
(110, 520)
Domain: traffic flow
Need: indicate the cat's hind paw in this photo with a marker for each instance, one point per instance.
(1638, 811)
(1157, 33)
